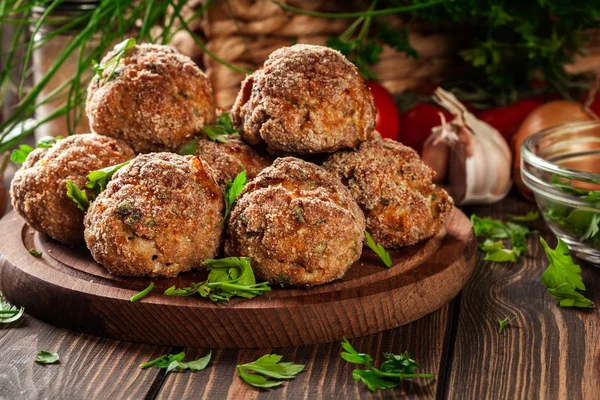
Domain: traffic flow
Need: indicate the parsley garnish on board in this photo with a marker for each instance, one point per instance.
(232, 191)
(174, 362)
(503, 323)
(217, 133)
(496, 229)
(390, 373)
(8, 312)
(143, 293)
(97, 181)
(268, 366)
(227, 277)
(121, 48)
(46, 357)
(563, 277)
(379, 250)
(35, 253)
(20, 155)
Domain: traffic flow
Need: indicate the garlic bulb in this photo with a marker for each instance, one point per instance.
(471, 158)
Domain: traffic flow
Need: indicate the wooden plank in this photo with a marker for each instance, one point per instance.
(90, 367)
(326, 374)
(548, 352)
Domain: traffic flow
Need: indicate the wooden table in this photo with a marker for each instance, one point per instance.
(548, 352)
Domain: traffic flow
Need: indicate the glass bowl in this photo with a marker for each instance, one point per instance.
(561, 166)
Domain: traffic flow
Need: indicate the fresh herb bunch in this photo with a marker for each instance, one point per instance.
(268, 366)
(506, 44)
(496, 229)
(390, 373)
(579, 223)
(227, 277)
(563, 277)
(107, 24)
(174, 362)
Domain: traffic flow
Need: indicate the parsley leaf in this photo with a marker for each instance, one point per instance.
(97, 180)
(361, 53)
(20, 155)
(496, 229)
(35, 253)
(189, 148)
(504, 323)
(78, 196)
(46, 357)
(389, 375)
(216, 133)
(174, 362)
(143, 293)
(8, 312)
(121, 48)
(530, 216)
(232, 191)
(270, 366)
(227, 277)
(563, 277)
(379, 250)
(224, 120)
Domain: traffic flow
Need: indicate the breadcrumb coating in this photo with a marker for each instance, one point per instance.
(232, 157)
(298, 224)
(306, 99)
(394, 188)
(156, 100)
(158, 217)
(38, 189)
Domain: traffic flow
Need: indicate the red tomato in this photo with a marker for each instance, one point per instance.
(418, 122)
(508, 119)
(388, 119)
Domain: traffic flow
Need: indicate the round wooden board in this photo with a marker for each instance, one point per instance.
(65, 287)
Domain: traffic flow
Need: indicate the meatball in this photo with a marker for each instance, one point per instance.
(298, 224)
(155, 100)
(158, 216)
(394, 189)
(306, 99)
(39, 192)
(230, 158)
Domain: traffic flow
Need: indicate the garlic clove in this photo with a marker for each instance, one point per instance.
(473, 156)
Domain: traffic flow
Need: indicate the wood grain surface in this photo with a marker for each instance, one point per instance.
(369, 299)
(548, 352)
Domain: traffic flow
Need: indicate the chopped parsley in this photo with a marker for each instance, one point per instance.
(268, 366)
(379, 250)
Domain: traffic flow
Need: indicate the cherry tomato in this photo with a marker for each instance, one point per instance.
(507, 119)
(388, 119)
(418, 122)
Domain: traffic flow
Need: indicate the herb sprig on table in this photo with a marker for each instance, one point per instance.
(8, 312)
(495, 229)
(174, 362)
(503, 323)
(268, 366)
(390, 373)
(46, 357)
(563, 277)
(227, 277)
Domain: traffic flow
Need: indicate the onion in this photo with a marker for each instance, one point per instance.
(472, 154)
(545, 116)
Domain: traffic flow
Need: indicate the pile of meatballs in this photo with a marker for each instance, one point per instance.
(318, 173)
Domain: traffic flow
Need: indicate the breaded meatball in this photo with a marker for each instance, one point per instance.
(298, 224)
(394, 189)
(158, 216)
(39, 191)
(306, 99)
(232, 157)
(156, 100)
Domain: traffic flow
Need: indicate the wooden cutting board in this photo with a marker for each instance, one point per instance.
(65, 287)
